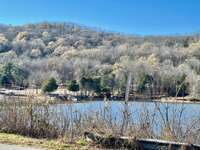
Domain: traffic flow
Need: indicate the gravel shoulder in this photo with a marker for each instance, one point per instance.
(14, 147)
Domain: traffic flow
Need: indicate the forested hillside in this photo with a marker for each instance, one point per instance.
(160, 64)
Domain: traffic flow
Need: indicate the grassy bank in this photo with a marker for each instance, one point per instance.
(55, 144)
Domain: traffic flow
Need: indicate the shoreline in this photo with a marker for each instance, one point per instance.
(171, 100)
(175, 100)
(67, 99)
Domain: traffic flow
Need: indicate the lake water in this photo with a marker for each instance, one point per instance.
(156, 111)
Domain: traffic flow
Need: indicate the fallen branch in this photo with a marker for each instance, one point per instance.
(137, 144)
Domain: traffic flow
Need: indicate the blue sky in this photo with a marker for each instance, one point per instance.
(144, 17)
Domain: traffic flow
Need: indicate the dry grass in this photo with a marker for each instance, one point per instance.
(55, 144)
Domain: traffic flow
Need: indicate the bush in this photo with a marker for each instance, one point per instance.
(49, 85)
(91, 84)
(72, 86)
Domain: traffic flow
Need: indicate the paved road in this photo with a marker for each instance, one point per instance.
(14, 147)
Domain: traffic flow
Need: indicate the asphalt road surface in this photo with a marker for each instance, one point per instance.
(14, 147)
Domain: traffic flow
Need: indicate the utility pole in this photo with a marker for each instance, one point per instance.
(126, 111)
(128, 87)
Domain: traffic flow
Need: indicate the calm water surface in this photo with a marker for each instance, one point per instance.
(136, 109)
(154, 113)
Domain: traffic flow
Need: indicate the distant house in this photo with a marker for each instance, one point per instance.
(62, 86)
